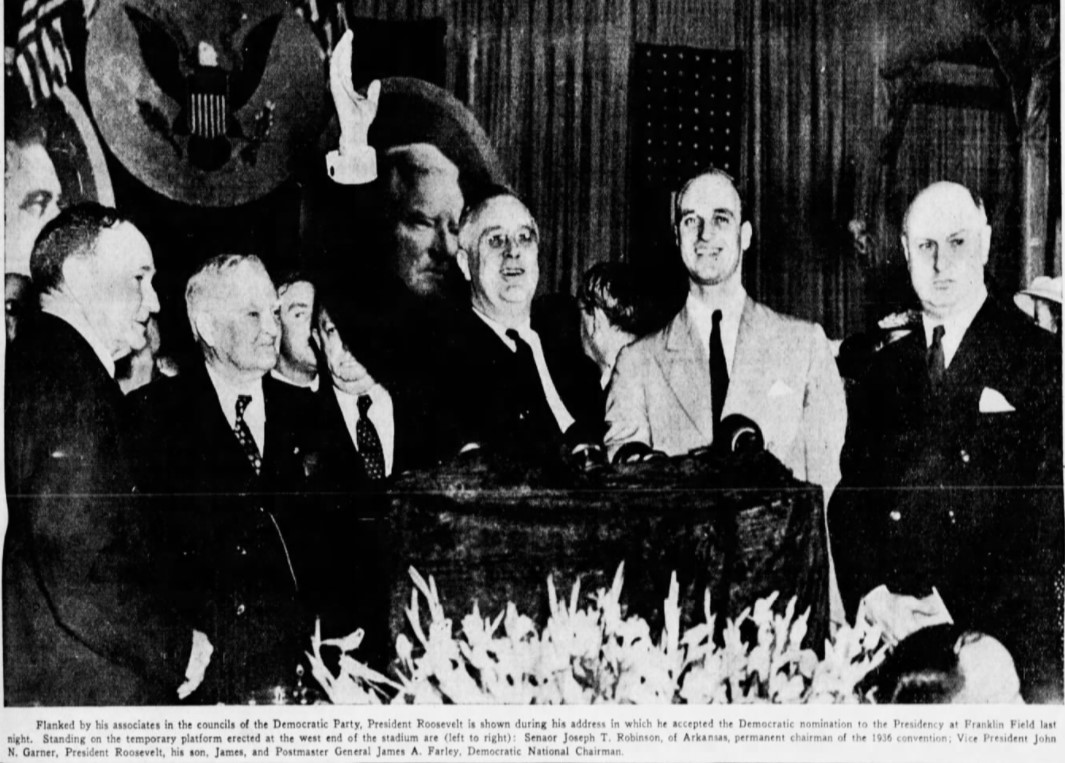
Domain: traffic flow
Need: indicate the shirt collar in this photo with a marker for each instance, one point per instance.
(957, 324)
(227, 392)
(67, 310)
(524, 328)
(731, 307)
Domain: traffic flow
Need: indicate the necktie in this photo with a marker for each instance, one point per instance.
(243, 433)
(718, 370)
(369, 444)
(937, 365)
(530, 378)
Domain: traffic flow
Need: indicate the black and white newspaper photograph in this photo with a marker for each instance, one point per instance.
(532, 380)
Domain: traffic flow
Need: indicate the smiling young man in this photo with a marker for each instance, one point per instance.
(950, 505)
(85, 621)
(725, 353)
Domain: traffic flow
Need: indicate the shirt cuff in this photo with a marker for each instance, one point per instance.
(355, 167)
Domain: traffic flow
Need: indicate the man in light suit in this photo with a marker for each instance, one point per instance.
(950, 505)
(724, 353)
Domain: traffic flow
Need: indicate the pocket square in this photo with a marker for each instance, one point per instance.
(992, 401)
(780, 389)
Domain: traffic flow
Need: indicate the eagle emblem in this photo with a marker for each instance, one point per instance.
(209, 94)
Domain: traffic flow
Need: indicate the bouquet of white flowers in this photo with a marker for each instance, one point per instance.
(595, 654)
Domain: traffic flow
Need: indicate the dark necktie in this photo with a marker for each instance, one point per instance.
(369, 444)
(718, 370)
(530, 377)
(937, 365)
(243, 433)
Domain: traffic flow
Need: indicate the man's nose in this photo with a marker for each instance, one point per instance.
(151, 299)
(269, 324)
(706, 232)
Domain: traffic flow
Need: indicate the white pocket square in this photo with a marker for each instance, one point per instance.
(992, 401)
(780, 389)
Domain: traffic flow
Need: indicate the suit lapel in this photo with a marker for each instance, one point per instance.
(229, 457)
(750, 366)
(687, 373)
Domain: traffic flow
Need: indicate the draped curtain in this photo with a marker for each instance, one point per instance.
(548, 80)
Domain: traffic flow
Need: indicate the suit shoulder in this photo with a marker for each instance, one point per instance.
(794, 330)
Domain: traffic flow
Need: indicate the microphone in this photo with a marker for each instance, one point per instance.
(738, 434)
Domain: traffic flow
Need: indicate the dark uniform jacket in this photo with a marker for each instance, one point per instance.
(85, 621)
(944, 491)
(231, 567)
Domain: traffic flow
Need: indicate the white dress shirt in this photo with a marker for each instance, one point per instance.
(68, 311)
(702, 317)
(254, 414)
(554, 400)
(380, 415)
(312, 385)
(954, 327)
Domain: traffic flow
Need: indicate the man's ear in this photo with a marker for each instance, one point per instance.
(985, 244)
(204, 328)
(77, 274)
(745, 235)
(462, 257)
(905, 247)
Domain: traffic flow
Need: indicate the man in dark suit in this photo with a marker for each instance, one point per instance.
(85, 619)
(369, 423)
(515, 389)
(950, 506)
(223, 440)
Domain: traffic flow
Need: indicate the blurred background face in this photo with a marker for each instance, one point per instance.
(425, 231)
(31, 199)
(710, 234)
(502, 264)
(246, 320)
(114, 288)
(297, 300)
(946, 243)
(347, 373)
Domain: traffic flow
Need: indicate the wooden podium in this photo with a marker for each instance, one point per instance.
(492, 532)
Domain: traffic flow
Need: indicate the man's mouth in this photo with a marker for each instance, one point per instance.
(512, 272)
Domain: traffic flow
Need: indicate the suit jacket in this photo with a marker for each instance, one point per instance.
(965, 496)
(496, 401)
(84, 620)
(783, 377)
(231, 567)
(339, 546)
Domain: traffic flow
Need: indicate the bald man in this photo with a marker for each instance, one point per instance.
(949, 508)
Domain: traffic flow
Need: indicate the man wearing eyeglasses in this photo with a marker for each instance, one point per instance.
(521, 391)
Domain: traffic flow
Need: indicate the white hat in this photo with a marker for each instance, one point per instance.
(1042, 287)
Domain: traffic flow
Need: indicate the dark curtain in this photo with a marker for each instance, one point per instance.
(548, 80)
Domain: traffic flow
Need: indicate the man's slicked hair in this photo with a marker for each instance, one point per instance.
(610, 286)
(201, 289)
(74, 232)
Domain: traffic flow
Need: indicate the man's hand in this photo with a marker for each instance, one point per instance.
(355, 112)
(899, 616)
(198, 661)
